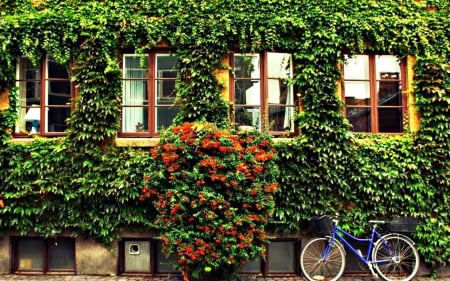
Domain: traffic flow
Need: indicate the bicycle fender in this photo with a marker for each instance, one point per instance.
(395, 235)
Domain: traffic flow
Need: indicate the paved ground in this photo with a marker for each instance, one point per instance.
(13, 277)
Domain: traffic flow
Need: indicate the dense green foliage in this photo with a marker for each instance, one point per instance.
(84, 184)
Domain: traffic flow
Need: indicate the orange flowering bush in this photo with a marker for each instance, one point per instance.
(213, 191)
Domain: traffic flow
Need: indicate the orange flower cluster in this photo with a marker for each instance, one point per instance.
(214, 188)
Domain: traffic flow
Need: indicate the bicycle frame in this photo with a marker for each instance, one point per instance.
(343, 236)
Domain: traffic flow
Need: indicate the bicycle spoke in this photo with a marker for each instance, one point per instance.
(315, 267)
(401, 259)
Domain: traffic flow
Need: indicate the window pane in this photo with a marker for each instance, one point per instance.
(281, 118)
(164, 264)
(279, 65)
(166, 63)
(166, 75)
(247, 116)
(359, 118)
(135, 92)
(55, 70)
(165, 116)
(135, 66)
(247, 92)
(387, 64)
(281, 257)
(357, 67)
(57, 119)
(246, 66)
(357, 92)
(137, 256)
(61, 254)
(389, 93)
(27, 71)
(59, 93)
(252, 266)
(30, 254)
(134, 119)
(390, 120)
(165, 91)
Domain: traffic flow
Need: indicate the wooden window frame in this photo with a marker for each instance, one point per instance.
(15, 263)
(152, 90)
(264, 105)
(265, 263)
(44, 84)
(374, 106)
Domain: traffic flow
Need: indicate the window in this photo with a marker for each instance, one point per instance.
(262, 96)
(144, 256)
(148, 93)
(281, 259)
(35, 254)
(45, 94)
(373, 93)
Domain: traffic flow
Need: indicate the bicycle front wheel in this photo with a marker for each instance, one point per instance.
(316, 266)
(400, 256)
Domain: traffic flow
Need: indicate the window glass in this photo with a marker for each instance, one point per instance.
(30, 254)
(390, 120)
(61, 254)
(360, 119)
(264, 102)
(166, 76)
(252, 266)
(357, 92)
(148, 106)
(373, 94)
(356, 67)
(43, 113)
(135, 97)
(246, 66)
(280, 93)
(164, 264)
(281, 256)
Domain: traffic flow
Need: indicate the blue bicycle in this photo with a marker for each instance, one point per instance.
(392, 256)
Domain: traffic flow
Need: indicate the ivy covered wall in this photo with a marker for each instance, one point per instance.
(85, 184)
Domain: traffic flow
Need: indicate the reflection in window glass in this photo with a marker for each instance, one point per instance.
(164, 264)
(135, 99)
(373, 94)
(359, 118)
(61, 254)
(281, 256)
(30, 254)
(280, 94)
(356, 67)
(44, 100)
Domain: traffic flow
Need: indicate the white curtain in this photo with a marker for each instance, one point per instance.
(134, 93)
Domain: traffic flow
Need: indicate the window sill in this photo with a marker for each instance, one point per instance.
(137, 142)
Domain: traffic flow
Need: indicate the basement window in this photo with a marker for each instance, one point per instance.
(43, 255)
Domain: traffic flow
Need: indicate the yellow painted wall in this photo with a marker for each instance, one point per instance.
(413, 113)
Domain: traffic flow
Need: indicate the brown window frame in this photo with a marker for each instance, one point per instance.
(264, 104)
(264, 264)
(373, 106)
(15, 262)
(151, 87)
(44, 84)
(155, 255)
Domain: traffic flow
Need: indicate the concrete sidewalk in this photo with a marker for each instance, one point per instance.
(14, 277)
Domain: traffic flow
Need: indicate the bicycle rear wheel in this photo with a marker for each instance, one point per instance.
(401, 254)
(317, 268)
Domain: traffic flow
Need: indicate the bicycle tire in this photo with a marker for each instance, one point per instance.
(401, 268)
(315, 268)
